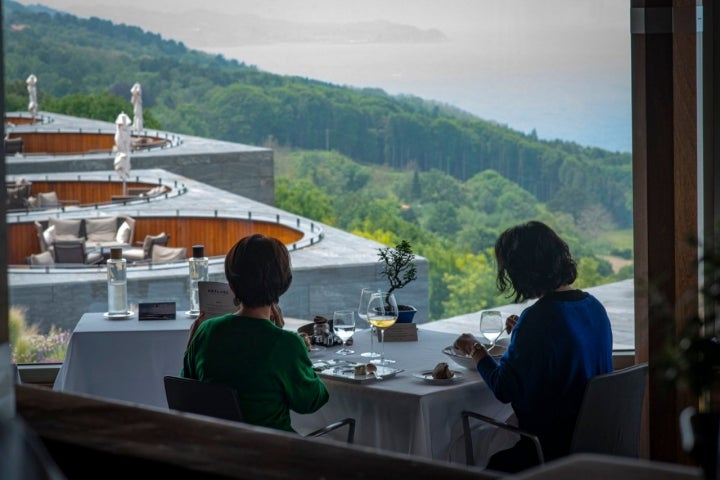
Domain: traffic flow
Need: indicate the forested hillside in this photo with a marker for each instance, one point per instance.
(397, 167)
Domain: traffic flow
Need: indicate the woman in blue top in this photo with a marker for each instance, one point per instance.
(556, 345)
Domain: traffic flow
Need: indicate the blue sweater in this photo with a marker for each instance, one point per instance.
(557, 345)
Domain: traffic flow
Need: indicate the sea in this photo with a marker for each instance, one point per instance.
(560, 68)
(557, 93)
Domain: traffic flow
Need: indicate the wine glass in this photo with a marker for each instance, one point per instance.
(492, 326)
(382, 313)
(362, 313)
(344, 327)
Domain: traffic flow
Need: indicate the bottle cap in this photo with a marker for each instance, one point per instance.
(116, 253)
(198, 251)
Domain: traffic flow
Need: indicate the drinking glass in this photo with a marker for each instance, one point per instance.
(492, 326)
(382, 313)
(344, 327)
(362, 313)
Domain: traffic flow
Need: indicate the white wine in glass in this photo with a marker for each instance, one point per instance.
(362, 313)
(344, 327)
(382, 313)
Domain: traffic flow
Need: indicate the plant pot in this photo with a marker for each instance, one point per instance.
(406, 313)
(700, 438)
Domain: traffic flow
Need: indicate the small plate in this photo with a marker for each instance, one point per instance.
(192, 315)
(427, 376)
(118, 316)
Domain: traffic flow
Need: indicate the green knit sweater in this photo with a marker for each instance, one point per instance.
(268, 366)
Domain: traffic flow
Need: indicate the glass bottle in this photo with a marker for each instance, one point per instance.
(117, 283)
(198, 265)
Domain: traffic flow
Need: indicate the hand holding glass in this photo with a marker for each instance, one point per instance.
(344, 327)
(382, 313)
(362, 313)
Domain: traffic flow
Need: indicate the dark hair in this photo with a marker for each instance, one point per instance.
(532, 260)
(258, 270)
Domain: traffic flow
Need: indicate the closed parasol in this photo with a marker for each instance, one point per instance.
(122, 148)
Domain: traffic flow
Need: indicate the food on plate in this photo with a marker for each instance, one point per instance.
(365, 369)
(442, 371)
(306, 338)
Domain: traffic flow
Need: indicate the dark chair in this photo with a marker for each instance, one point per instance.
(73, 252)
(608, 421)
(221, 401)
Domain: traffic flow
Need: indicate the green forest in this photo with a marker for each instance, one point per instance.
(380, 166)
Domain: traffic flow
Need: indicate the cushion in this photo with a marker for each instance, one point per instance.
(150, 240)
(101, 229)
(44, 258)
(65, 228)
(161, 254)
(49, 235)
(48, 199)
(123, 233)
(154, 191)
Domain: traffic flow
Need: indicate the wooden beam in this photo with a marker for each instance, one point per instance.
(665, 139)
(127, 441)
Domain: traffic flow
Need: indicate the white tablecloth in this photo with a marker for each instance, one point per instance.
(123, 359)
(127, 359)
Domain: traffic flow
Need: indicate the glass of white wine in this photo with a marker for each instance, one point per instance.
(362, 313)
(344, 327)
(382, 313)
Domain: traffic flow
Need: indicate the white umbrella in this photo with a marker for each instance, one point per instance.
(32, 91)
(136, 100)
(122, 148)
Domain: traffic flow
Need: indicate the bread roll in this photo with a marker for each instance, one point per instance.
(442, 371)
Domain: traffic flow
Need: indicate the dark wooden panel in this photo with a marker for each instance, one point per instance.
(125, 441)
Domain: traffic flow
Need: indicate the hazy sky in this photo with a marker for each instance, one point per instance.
(559, 66)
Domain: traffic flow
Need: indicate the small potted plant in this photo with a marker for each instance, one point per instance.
(398, 267)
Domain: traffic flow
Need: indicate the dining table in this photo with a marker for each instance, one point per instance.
(402, 411)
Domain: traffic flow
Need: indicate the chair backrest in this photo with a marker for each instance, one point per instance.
(70, 251)
(162, 254)
(203, 398)
(610, 414)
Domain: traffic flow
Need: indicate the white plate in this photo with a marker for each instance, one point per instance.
(343, 370)
(427, 376)
(464, 361)
(192, 315)
(118, 316)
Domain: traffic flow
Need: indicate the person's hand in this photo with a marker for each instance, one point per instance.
(276, 315)
(510, 323)
(464, 343)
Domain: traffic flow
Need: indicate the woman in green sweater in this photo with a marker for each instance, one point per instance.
(268, 366)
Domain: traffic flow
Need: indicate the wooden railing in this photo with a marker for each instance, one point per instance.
(216, 234)
(119, 440)
(85, 192)
(63, 143)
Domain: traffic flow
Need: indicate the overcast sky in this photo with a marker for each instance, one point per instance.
(561, 66)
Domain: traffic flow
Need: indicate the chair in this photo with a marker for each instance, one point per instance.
(221, 401)
(145, 253)
(162, 254)
(73, 251)
(608, 421)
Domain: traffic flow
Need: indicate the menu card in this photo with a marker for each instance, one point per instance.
(216, 298)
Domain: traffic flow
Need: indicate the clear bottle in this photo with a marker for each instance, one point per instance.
(198, 265)
(117, 283)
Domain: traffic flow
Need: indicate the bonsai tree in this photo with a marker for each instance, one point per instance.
(398, 265)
